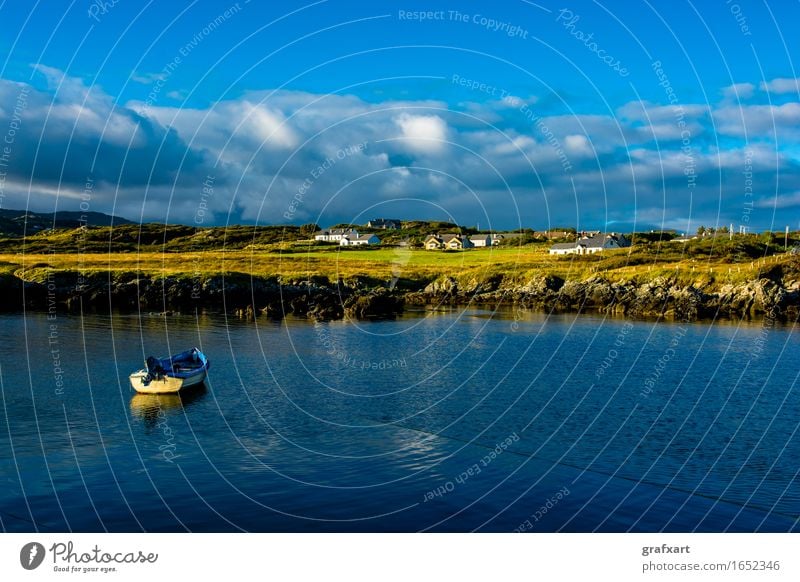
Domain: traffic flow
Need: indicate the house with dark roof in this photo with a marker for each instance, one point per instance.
(588, 245)
(563, 249)
(481, 240)
(384, 223)
(364, 239)
(335, 234)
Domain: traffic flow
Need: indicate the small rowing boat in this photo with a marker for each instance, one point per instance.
(172, 374)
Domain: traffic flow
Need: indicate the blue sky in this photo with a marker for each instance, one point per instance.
(595, 114)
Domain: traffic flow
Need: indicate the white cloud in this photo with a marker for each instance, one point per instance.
(425, 133)
(65, 87)
(267, 126)
(147, 78)
(781, 85)
(654, 113)
(578, 145)
(512, 146)
(754, 121)
(662, 122)
(739, 91)
(263, 146)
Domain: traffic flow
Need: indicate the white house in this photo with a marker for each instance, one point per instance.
(588, 245)
(480, 240)
(336, 234)
(364, 239)
(452, 242)
(563, 249)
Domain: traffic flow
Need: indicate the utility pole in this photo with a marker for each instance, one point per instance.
(786, 238)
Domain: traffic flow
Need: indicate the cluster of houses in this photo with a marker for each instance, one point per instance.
(588, 243)
(457, 242)
(351, 237)
(454, 242)
(347, 237)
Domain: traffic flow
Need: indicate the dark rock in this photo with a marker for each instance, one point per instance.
(299, 305)
(326, 311)
(274, 310)
(375, 305)
(11, 293)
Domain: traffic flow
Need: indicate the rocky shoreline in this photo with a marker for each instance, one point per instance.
(775, 295)
(239, 295)
(663, 298)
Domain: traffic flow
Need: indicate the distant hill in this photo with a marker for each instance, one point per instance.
(18, 222)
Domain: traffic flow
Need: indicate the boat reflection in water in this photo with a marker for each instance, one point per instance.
(151, 407)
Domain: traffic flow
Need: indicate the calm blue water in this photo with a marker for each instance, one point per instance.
(442, 421)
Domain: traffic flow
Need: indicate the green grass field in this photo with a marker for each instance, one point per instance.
(514, 264)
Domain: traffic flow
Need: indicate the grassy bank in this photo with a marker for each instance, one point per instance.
(288, 253)
(414, 266)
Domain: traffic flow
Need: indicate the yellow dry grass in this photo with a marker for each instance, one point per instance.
(514, 263)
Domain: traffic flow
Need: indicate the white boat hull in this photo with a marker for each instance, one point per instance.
(172, 374)
(164, 385)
